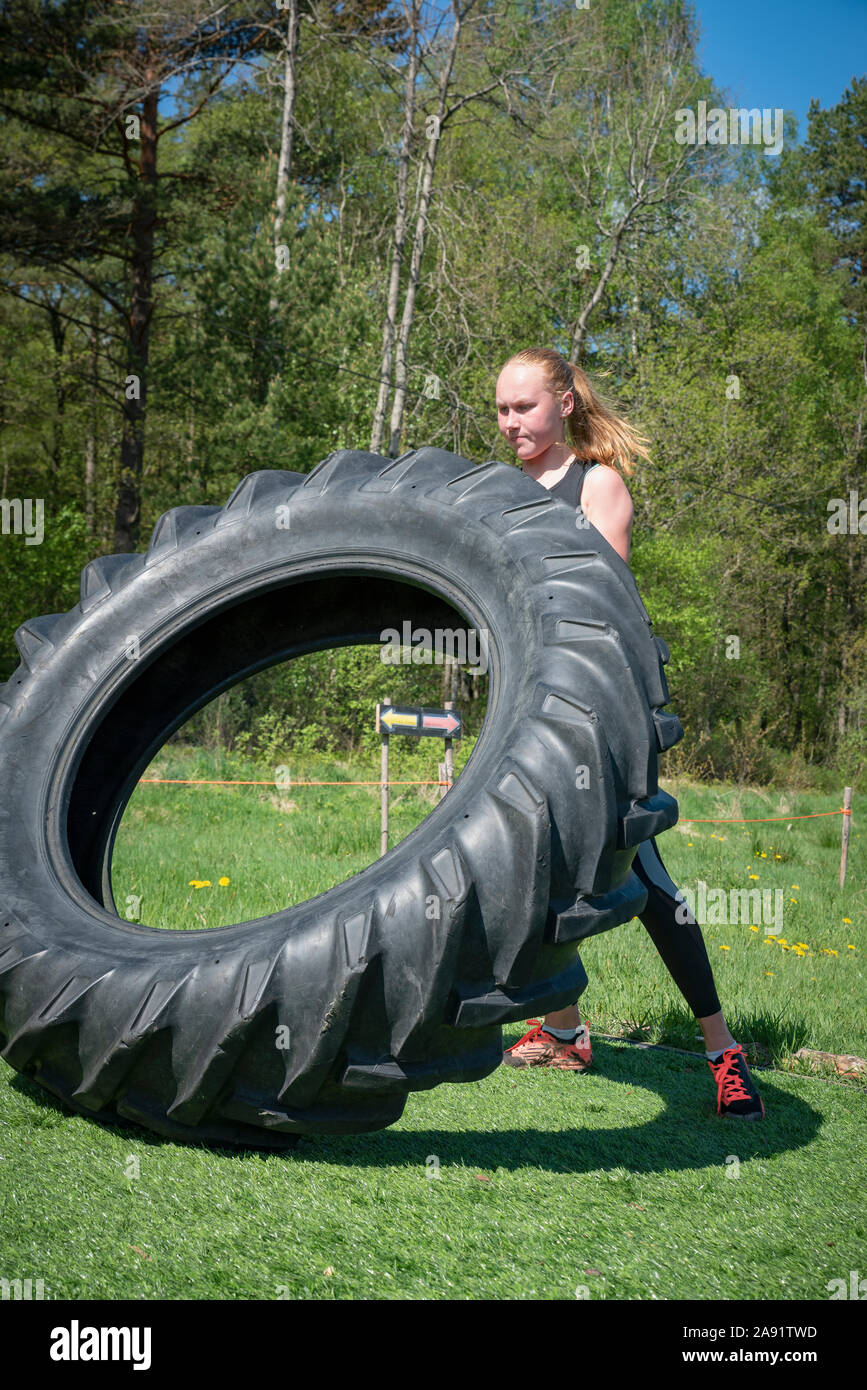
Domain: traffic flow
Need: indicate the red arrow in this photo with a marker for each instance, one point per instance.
(447, 721)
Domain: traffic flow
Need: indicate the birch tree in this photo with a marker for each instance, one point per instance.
(412, 14)
(434, 58)
(287, 132)
(625, 172)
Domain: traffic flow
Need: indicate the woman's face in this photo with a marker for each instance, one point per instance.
(530, 416)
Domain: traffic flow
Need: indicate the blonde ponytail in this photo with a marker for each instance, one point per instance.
(594, 428)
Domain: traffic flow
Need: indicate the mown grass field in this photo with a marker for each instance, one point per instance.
(622, 1183)
(280, 846)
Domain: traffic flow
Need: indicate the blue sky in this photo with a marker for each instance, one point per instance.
(771, 53)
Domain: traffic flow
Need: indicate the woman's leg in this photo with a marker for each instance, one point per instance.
(678, 939)
(680, 946)
(564, 1018)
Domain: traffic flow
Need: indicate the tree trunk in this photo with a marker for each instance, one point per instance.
(127, 520)
(191, 428)
(823, 657)
(58, 336)
(849, 637)
(91, 446)
(4, 486)
(398, 237)
(580, 332)
(418, 242)
(284, 164)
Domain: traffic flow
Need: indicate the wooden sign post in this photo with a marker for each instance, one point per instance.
(418, 721)
(383, 773)
(450, 769)
(847, 821)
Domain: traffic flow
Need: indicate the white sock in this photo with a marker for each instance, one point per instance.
(564, 1034)
(715, 1056)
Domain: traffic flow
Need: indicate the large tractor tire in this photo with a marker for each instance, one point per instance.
(322, 1017)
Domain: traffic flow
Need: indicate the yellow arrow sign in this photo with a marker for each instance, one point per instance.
(393, 718)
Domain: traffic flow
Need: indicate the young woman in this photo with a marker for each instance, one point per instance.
(539, 397)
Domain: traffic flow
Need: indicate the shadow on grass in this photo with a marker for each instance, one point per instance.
(688, 1134)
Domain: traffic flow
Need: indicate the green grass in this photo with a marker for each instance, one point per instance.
(279, 847)
(276, 845)
(622, 1182)
(542, 1177)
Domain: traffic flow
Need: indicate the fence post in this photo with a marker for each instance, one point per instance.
(383, 776)
(847, 821)
(449, 704)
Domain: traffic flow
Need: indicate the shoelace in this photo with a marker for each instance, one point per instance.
(729, 1082)
(528, 1037)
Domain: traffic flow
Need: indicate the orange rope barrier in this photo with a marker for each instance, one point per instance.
(755, 820)
(693, 820)
(218, 782)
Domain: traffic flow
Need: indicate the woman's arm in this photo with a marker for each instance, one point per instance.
(607, 505)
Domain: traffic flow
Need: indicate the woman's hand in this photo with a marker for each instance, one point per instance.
(607, 505)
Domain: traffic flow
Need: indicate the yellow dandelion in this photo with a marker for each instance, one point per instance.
(689, 844)
(753, 928)
(223, 882)
(778, 856)
(797, 887)
(753, 875)
(725, 948)
(785, 948)
(793, 900)
(829, 952)
(848, 921)
(849, 948)
(205, 883)
(770, 972)
(764, 856)
(780, 940)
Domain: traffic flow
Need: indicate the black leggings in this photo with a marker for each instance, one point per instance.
(681, 947)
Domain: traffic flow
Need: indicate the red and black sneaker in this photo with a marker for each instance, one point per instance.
(540, 1049)
(736, 1094)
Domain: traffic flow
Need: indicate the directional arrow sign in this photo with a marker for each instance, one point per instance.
(419, 720)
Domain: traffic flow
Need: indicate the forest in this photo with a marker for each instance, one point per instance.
(240, 236)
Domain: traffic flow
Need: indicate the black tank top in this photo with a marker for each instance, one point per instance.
(571, 484)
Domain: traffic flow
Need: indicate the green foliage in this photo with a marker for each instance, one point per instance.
(325, 702)
(728, 332)
(835, 164)
(676, 576)
(43, 578)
